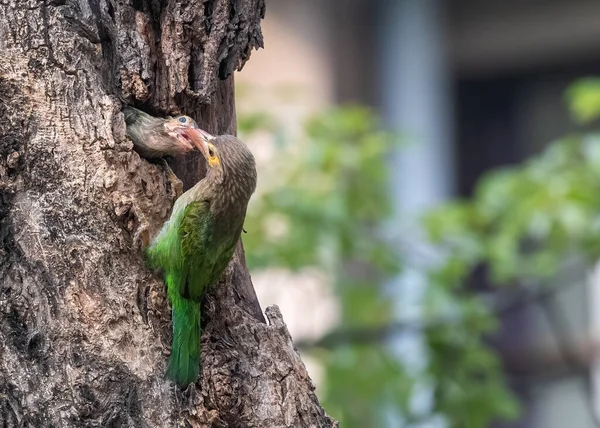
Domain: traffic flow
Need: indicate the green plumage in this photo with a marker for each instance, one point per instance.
(196, 244)
(184, 362)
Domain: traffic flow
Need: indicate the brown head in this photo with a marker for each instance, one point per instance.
(231, 172)
(155, 137)
(177, 128)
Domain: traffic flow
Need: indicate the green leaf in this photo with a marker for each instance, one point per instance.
(584, 99)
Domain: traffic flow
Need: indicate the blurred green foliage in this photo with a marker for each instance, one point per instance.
(584, 99)
(319, 198)
(524, 221)
(322, 201)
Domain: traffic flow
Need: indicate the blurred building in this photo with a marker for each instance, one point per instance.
(478, 84)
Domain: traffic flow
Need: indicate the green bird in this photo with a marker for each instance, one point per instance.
(197, 242)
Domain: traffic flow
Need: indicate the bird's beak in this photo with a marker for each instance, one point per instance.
(199, 138)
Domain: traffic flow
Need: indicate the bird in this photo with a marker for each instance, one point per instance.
(155, 138)
(197, 242)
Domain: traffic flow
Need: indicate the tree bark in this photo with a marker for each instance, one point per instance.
(85, 327)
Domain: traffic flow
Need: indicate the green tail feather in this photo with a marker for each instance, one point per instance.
(184, 363)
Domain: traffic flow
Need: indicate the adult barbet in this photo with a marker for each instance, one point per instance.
(197, 242)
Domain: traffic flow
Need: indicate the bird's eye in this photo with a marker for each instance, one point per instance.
(182, 119)
(211, 153)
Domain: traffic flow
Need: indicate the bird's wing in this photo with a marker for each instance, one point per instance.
(164, 251)
(195, 240)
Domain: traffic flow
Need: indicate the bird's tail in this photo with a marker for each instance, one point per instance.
(184, 363)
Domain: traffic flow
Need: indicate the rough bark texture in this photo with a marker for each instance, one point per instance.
(85, 327)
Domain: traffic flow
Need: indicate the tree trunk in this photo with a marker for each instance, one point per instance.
(85, 327)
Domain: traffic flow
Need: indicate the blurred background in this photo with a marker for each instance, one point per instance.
(428, 210)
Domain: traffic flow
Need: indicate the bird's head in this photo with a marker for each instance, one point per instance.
(229, 159)
(182, 129)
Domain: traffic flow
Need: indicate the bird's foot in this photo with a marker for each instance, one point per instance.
(177, 186)
(176, 183)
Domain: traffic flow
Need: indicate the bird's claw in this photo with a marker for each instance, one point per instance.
(177, 186)
(176, 183)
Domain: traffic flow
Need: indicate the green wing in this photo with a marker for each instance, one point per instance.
(181, 250)
(195, 233)
(206, 251)
(189, 251)
(165, 250)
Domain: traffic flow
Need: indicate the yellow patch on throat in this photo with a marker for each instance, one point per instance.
(212, 158)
